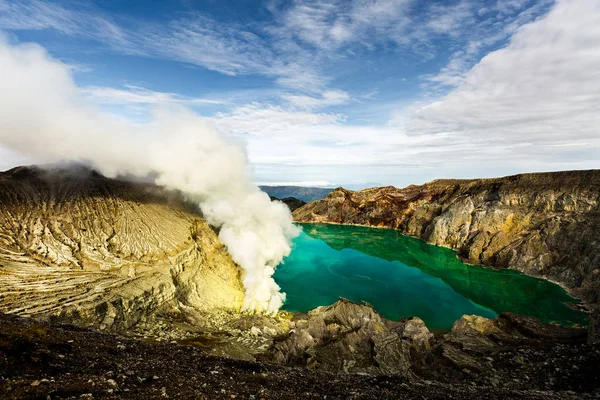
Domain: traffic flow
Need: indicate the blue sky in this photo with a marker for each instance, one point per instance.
(353, 93)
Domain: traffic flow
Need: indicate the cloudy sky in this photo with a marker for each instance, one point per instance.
(354, 92)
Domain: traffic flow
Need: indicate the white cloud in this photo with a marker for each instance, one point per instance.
(536, 100)
(294, 49)
(328, 98)
(310, 21)
(10, 158)
(451, 19)
(227, 48)
(40, 15)
(278, 136)
(530, 106)
(506, 18)
(301, 75)
(330, 24)
(268, 120)
(135, 95)
(302, 37)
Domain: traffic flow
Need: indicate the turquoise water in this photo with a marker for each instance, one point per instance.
(402, 276)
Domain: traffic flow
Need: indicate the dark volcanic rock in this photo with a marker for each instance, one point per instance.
(545, 224)
(509, 351)
(594, 331)
(350, 337)
(38, 360)
(516, 351)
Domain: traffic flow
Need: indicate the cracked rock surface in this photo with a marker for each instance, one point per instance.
(77, 246)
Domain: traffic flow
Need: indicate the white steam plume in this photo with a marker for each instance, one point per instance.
(43, 115)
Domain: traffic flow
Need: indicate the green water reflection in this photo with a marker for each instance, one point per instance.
(402, 276)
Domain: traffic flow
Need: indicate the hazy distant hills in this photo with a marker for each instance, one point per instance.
(306, 194)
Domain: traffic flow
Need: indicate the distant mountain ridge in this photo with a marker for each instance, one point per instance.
(303, 193)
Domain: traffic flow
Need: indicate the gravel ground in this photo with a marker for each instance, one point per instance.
(41, 361)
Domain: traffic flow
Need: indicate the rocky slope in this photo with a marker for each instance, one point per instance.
(543, 224)
(510, 351)
(78, 246)
(510, 357)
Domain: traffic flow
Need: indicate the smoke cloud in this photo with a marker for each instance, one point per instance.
(43, 115)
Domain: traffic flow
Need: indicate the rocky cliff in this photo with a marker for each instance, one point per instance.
(543, 224)
(78, 246)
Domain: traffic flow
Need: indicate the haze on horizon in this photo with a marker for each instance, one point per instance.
(343, 92)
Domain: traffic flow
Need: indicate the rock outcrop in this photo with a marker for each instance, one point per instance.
(514, 351)
(509, 351)
(349, 350)
(543, 224)
(77, 246)
(349, 337)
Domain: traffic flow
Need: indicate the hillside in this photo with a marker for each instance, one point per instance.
(544, 224)
(78, 246)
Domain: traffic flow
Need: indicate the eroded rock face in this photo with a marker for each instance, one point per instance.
(350, 337)
(78, 246)
(544, 224)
